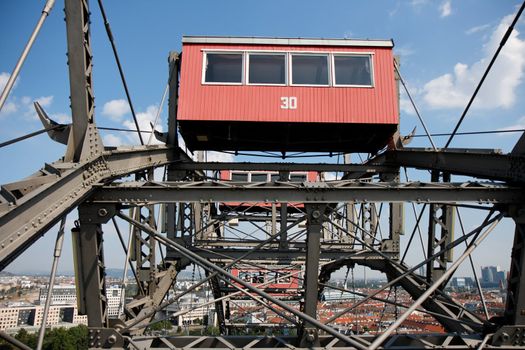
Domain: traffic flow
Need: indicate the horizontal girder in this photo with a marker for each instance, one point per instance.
(484, 164)
(398, 341)
(308, 192)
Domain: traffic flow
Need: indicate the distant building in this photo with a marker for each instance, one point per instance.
(61, 295)
(24, 316)
(462, 283)
(66, 295)
(492, 277)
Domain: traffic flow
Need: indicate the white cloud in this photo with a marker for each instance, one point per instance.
(115, 109)
(453, 90)
(394, 11)
(4, 77)
(445, 8)
(209, 156)
(8, 108)
(144, 119)
(212, 156)
(477, 29)
(406, 106)
(520, 124)
(404, 51)
(112, 140)
(25, 100)
(61, 118)
(45, 101)
(417, 3)
(330, 176)
(26, 104)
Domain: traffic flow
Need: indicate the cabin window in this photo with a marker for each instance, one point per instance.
(275, 177)
(240, 177)
(352, 70)
(298, 177)
(259, 177)
(310, 69)
(223, 68)
(267, 69)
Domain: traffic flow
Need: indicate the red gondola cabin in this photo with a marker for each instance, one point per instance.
(272, 94)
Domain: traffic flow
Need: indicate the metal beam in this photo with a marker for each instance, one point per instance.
(397, 341)
(341, 191)
(437, 283)
(277, 167)
(31, 215)
(314, 220)
(485, 164)
(515, 305)
(79, 57)
(89, 266)
(231, 278)
(274, 257)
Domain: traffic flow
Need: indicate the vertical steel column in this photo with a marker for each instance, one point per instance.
(219, 303)
(308, 333)
(283, 240)
(351, 228)
(368, 222)
(440, 233)
(79, 58)
(515, 306)
(396, 221)
(396, 228)
(89, 265)
(173, 97)
(172, 140)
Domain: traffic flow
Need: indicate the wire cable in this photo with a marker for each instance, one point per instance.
(27, 136)
(487, 70)
(474, 132)
(12, 78)
(414, 105)
(121, 72)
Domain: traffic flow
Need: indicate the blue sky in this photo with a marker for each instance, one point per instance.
(444, 47)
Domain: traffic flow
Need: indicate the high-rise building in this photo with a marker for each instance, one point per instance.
(492, 277)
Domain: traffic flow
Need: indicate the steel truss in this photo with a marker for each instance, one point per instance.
(337, 224)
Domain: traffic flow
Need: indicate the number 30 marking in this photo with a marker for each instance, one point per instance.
(289, 102)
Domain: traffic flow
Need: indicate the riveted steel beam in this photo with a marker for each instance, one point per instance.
(483, 164)
(324, 192)
(31, 215)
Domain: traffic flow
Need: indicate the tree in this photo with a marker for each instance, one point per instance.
(79, 335)
(161, 325)
(58, 339)
(30, 339)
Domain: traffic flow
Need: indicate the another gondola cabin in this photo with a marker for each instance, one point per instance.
(275, 94)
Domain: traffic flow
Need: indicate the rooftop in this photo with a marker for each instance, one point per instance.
(286, 41)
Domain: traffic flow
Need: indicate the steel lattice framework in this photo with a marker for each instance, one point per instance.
(339, 228)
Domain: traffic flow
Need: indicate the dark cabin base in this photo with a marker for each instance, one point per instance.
(285, 137)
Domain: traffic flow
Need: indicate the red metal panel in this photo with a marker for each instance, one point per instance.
(370, 105)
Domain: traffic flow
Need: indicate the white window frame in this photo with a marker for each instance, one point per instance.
(233, 52)
(245, 77)
(299, 173)
(354, 54)
(275, 53)
(314, 53)
(258, 173)
(248, 174)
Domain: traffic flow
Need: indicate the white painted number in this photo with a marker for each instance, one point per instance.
(289, 102)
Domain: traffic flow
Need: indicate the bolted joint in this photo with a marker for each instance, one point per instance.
(310, 335)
